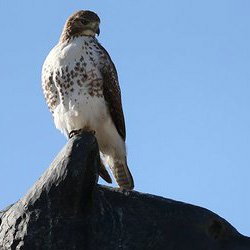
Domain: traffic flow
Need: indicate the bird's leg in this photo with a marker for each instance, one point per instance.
(88, 130)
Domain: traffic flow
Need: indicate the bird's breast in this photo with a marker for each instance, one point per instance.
(76, 71)
(76, 68)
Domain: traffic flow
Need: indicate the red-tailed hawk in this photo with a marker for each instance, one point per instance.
(81, 88)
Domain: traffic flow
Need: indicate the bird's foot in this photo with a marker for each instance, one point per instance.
(80, 131)
(73, 133)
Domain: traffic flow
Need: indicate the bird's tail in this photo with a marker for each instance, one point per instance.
(122, 175)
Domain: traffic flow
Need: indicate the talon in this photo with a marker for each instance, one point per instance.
(74, 132)
(79, 131)
(71, 134)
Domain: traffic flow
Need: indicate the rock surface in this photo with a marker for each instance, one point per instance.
(66, 209)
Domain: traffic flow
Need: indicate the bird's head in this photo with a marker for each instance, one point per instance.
(83, 22)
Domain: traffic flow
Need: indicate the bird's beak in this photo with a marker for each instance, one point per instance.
(98, 31)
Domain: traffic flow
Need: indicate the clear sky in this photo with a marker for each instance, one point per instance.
(184, 74)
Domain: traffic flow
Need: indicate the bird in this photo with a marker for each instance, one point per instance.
(81, 88)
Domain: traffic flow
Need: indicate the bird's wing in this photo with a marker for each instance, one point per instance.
(112, 94)
(49, 89)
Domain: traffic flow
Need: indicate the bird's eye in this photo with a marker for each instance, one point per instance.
(84, 21)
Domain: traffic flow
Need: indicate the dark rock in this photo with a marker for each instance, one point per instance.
(66, 209)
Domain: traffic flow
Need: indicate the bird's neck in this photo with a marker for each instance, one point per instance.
(69, 33)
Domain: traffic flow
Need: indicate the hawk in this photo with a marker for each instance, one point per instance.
(81, 88)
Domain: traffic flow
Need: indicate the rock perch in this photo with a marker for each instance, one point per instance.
(66, 209)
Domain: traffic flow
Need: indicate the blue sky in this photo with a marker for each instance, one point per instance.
(184, 73)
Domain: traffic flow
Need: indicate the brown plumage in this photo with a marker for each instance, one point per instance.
(77, 23)
(81, 87)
